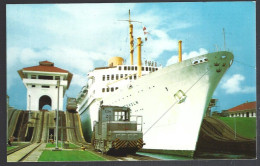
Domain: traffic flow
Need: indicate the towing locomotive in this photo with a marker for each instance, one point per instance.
(117, 131)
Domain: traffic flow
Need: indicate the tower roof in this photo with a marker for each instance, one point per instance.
(244, 106)
(46, 66)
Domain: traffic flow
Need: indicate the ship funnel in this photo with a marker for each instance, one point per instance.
(180, 51)
(139, 61)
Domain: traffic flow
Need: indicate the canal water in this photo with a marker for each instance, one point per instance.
(200, 156)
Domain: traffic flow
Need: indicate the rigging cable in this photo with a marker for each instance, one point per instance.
(175, 103)
(245, 64)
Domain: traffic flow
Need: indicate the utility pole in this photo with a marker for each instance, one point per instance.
(57, 116)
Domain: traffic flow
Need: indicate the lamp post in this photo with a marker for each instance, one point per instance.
(57, 115)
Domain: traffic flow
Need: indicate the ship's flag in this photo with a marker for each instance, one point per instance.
(145, 33)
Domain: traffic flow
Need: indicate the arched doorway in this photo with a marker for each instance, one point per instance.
(43, 101)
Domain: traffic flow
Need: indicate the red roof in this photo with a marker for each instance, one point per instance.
(244, 106)
(46, 66)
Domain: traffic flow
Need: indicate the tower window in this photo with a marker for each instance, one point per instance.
(112, 77)
(57, 77)
(119, 68)
(107, 89)
(104, 77)
(46, 77)
(112, 89)
(107, 77)
(125, 68)
(103, 89)
(121, 76)
(129, 68)
(132, 67)
(117, 77)
(135, 67)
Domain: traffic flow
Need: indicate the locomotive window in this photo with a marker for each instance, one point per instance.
(121, 116)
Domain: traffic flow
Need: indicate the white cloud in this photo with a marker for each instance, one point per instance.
(233, 85)
(76, 36)
(174, 59)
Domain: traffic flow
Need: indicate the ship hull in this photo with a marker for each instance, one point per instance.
(169, 125)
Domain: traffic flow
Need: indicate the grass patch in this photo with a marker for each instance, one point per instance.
(50, 145)
(11, 147)
(68, 155)
(245, 127)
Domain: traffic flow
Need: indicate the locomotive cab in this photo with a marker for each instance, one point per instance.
(117, 130)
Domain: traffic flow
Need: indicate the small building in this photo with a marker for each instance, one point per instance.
(247, 109)
(46, 84)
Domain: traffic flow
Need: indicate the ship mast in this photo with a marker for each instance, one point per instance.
(131, 40)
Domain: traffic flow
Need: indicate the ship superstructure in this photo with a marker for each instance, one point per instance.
(172, 100)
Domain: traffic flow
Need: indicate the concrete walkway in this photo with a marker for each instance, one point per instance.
(16, 156)
(34, 156)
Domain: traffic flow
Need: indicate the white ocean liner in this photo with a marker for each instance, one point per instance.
(172, 100)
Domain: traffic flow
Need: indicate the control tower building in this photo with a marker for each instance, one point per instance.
(46, 84)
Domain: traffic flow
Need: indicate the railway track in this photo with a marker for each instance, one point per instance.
(22, 152)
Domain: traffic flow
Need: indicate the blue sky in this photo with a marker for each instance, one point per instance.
(79, 37)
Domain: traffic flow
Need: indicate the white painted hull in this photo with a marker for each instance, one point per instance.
(168, 125)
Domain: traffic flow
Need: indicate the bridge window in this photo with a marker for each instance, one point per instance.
(46, 77)
(33, 76)
(104, 77)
